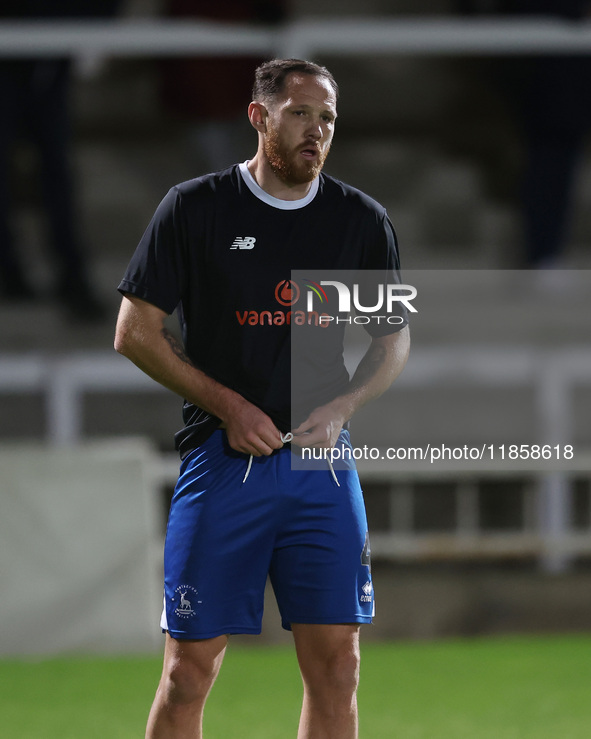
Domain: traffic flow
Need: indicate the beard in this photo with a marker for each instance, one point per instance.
(286, 163)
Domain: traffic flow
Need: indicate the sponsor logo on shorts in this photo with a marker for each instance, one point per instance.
(186, 596)
(367, 593)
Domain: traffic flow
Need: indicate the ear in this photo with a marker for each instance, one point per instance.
(257, 115)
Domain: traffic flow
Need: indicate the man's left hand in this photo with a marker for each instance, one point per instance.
(321, 428)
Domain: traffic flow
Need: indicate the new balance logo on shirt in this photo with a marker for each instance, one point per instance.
(243, 242)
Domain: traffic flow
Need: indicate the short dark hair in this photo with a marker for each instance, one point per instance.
(269, 78)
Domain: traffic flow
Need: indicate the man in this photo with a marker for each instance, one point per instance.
(221, 247)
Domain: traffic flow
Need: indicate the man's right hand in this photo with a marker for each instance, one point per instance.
(251, 431)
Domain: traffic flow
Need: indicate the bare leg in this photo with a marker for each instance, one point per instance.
(328, 655)
(189, 672)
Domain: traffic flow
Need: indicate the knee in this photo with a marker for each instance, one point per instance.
(336, 674)
(343, 672)
(186, 682)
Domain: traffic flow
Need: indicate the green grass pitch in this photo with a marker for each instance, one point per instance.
(494, 688)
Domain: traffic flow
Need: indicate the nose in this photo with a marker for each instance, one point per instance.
(315, 131)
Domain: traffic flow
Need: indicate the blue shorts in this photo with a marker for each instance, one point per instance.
(225, 536)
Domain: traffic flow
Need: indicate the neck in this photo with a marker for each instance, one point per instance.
(266, 178)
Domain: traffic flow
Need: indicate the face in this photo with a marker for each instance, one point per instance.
(300, 127)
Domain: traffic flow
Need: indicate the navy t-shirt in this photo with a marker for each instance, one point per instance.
(221, 251)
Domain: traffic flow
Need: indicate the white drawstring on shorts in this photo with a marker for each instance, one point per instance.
(285, 438)
(332, 472)
(248, 469)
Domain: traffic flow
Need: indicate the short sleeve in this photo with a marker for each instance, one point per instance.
(381, 264)
(156, 272)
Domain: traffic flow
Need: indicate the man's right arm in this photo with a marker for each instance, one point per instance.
(141, 336)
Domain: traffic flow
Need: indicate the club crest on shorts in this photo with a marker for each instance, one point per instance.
(186, 596)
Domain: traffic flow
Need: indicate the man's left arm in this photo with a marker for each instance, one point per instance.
(379, 367)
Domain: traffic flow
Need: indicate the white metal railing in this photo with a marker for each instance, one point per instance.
(302, 38)
(64, 380)
(546, 534)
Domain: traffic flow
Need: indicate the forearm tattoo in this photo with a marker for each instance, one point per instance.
(176, 347)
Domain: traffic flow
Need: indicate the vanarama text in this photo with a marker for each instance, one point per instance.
(280, 318)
